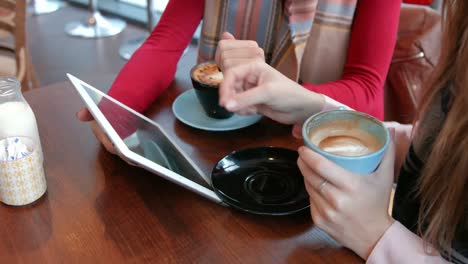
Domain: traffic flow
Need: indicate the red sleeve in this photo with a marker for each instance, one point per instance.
(152, 67)
(418, 2)
(371, 46)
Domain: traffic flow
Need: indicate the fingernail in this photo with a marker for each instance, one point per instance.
(231, 104)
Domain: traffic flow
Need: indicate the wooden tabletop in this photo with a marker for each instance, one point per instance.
(99, 209)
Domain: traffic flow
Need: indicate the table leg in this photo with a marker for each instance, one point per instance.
(96, 26)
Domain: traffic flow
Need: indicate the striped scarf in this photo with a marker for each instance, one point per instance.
(285, 30)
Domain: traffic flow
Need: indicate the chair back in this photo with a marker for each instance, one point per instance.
(13, 22)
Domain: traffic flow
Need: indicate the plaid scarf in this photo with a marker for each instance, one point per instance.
(283, 29)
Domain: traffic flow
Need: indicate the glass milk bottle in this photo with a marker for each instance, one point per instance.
(16, 116)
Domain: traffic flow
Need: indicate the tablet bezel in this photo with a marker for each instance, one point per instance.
(132, 157)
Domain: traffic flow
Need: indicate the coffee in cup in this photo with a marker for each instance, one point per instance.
(353, 140)
(209, 74)
(344, 138)
(206, 79)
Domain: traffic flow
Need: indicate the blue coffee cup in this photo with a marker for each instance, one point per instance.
(363, 164)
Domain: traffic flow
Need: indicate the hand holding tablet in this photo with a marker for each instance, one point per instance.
(266, 181)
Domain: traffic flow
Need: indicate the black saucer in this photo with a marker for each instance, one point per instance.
(263, 180)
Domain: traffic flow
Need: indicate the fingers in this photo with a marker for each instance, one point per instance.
(388, 159)
(247, 99)
(324, 200)
(102, 137)
(251, 110)
(230, 51)
(320, 210)
(227, 35)
(316, 202)
(297, 131)
(316, 183)
(232, 57)
(243, 53)
(244, 57)
(84, 115)
(228, 44)
(325, 168)
(391, 131)
(387, 165)
(235, 80)
(316, 212)
(219, 48)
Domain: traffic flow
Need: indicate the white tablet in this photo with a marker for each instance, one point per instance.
(143, 142)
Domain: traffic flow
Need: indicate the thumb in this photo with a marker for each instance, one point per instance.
(84, 115)
(387, 166)
(226, 35)
(297, 131)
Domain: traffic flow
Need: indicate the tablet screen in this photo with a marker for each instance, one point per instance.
(145, 138)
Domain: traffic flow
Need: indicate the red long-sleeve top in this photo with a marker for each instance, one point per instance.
(152, 67)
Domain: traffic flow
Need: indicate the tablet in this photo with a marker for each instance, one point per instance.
(143, 142)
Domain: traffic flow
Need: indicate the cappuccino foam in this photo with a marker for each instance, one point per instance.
(344, 138)
(208, 74)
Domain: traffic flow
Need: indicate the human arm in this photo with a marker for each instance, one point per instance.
(418, 2)
(123, 122)
(352, 209)
(371, 46)
(85, 116)
(152, 67)
(256, 87)
(402, 140)
(231, 52)
(399, 245)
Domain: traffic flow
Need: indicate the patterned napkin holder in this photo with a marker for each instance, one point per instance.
(22, 178)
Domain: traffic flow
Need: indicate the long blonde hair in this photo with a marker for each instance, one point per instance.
(443, 186)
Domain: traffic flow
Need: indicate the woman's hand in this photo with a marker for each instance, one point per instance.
(85, 116)
(402, 140)
(231, 52)
(352, 208)
(258, 88)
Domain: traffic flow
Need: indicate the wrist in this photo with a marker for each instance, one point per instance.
(376, 237)
(315, 102)
(306, 104)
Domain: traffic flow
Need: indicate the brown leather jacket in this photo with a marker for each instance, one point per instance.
(415, 56)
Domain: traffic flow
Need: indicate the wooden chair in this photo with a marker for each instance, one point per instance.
(14, 56)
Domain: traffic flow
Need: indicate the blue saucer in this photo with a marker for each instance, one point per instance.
(187, 109)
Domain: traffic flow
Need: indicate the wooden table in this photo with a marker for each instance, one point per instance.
(99, 209)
